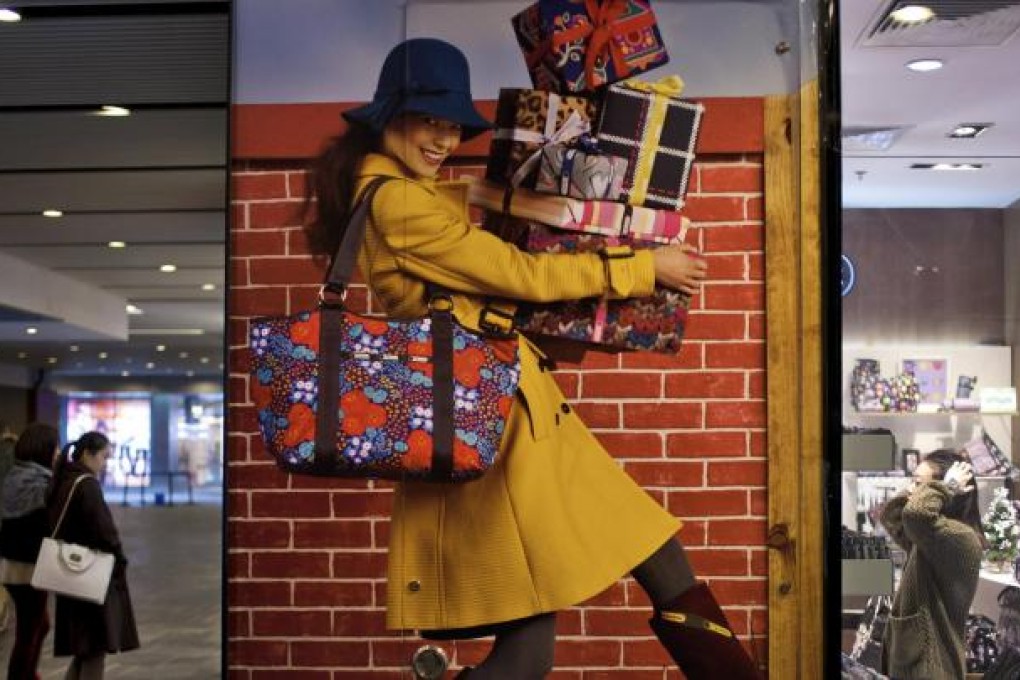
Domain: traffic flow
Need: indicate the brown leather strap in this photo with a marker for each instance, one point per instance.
(441, 311)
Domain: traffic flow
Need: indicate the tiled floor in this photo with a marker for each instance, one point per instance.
(174, 577)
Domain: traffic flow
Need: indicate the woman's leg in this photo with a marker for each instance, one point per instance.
(522, 651)
(688, 621)
(30, 630)
(92, 667)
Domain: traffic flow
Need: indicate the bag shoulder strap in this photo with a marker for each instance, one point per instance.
(341, 268)
(56, 527)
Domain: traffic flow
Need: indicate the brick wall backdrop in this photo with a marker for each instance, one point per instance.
(307, 556)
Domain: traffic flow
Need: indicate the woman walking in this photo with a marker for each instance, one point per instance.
(85, 631)
(556, 520)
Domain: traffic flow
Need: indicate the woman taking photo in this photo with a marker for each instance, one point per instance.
(25, 524)
(556, 520)
(84, 630)
(938, 524)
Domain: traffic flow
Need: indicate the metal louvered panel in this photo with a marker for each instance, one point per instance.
(86, 61)
(957, 23)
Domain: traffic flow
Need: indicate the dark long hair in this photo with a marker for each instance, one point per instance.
(963, 507)
(37, 444)
(90, 442)
(331, 186)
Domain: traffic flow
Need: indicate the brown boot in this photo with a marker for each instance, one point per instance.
(696, 634)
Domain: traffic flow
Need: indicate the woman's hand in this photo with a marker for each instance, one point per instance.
(679, 268)
(958, 477)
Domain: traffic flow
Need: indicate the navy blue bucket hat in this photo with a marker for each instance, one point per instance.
(423, 75)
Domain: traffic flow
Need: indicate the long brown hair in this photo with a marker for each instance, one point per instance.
(964, 506)
(331, 186)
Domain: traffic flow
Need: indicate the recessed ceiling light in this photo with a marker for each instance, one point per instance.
(51, 360)
(22, 355)
(208, 286)
(113, 111)
(183, 355)
(969, 130)
(190, 374)
(947, 166)
(9, 16)
(150, 365)
(913, 14)
(925, 65)
(103, 355)
(53, 213)
(31, 330)
(133, 310)
(204, 360)
(160, 348)
(125, 374)
(116, 244)
(168, 268)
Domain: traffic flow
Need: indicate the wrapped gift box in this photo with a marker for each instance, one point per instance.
(527, 121)
(654, 323)
(579, 174)
(579, 45)
(656, 131)
(595, 217)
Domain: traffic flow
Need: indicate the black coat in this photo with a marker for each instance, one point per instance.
(83, 628)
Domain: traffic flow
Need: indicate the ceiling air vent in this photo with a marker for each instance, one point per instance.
(957, 23)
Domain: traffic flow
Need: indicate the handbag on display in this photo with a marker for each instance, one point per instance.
(72, 570)
(348, 395)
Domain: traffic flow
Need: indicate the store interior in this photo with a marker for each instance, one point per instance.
(930, 238)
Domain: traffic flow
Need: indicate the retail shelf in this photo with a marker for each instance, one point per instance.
(923, 414)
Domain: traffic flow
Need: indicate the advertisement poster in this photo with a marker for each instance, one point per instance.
(126, 421)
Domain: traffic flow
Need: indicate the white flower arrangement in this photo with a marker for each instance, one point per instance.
(1001, 529)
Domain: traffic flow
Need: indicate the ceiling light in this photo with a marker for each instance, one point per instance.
(160, 348)
(208, 286)
(190, 374)
(167, 268)
(925, 65)
(103, 355)
(22, 355)
(53, 213)
(183, 355)
(9, 16)
(947, 166)
(204, 360)
(113, 111)
(913, 14)
(150, 365)
(132, 310)
(31, 330)
(116, 244)
(969, 130)
(51, 360)
(73, 348)
(125, 374)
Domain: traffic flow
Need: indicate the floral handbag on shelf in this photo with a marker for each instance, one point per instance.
(347, 395)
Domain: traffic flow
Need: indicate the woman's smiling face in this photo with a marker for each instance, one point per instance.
(421, 142)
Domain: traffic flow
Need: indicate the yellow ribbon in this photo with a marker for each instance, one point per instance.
(662, 91)
(669, 86)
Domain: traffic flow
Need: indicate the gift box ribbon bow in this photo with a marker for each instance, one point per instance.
(573, 127)
(606, 21)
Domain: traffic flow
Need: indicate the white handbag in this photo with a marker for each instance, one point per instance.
(70, 569)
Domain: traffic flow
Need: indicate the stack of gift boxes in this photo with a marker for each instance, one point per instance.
(593, 158)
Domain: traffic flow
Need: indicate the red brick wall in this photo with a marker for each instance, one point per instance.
(307, 556)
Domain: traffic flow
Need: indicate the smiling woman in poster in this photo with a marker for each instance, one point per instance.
(556, 520)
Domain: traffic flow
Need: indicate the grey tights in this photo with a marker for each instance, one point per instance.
(86, 668)
(523, 650)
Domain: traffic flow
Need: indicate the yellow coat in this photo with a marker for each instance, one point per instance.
(556, 520)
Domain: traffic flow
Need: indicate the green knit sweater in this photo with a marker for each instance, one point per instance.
(925, 636)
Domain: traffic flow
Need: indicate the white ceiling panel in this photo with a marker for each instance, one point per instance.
(144, 276)
(206, 255)
(168, 226)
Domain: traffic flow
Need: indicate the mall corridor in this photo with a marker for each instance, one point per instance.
(174, 576)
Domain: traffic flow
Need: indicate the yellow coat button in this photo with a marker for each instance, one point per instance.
(414, 586)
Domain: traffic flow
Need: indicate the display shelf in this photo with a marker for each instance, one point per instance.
(922, 414)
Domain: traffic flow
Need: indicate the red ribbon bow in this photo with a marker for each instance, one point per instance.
(604, 22)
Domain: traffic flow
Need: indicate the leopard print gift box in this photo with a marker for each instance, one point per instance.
(526, 121)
